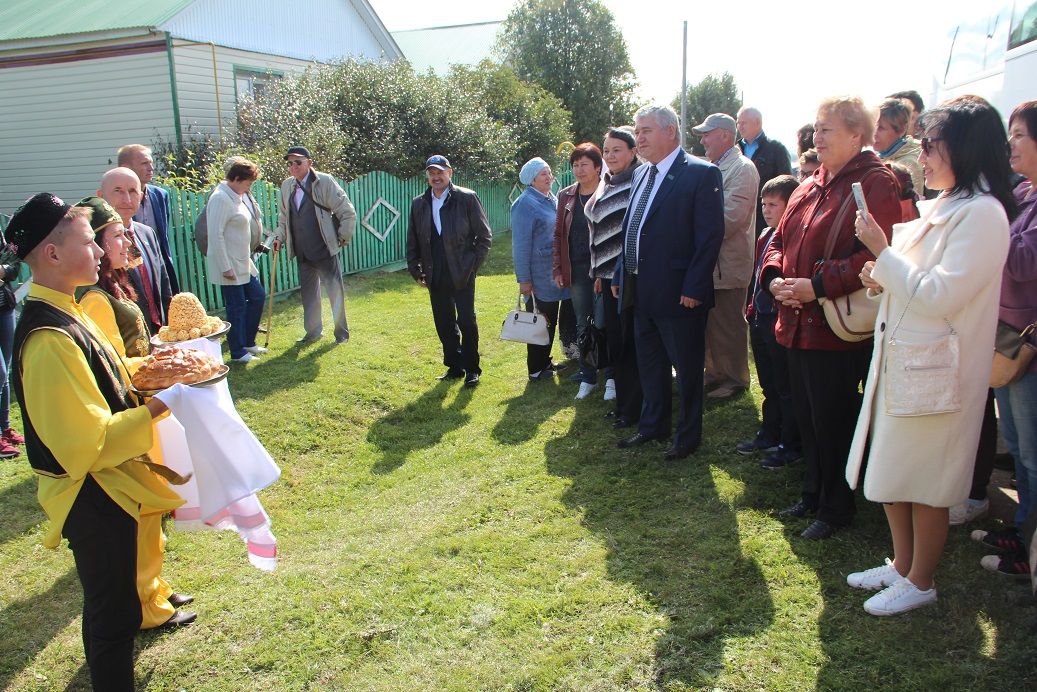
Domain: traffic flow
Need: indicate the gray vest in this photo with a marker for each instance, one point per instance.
(307, 240)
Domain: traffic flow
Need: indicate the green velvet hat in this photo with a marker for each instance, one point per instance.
(101, 213)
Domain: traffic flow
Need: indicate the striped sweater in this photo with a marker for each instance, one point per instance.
(605, 211)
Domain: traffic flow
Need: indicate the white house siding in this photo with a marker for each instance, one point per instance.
(320, 30)
(60, 124)
(196, 83)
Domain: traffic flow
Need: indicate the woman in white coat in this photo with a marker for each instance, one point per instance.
(229, 260)
(941, 275)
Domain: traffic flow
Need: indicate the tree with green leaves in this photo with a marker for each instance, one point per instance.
(357, 117)
(535, 117)
(714, 94)
(575, 50)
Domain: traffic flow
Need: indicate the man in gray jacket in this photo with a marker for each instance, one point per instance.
(727, 334)
(448, 239)
(316, 219)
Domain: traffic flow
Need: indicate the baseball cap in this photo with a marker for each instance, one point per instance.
(437, 161)
(721, 121)
(298, 151)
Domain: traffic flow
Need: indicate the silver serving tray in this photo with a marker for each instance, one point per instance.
(215, 336)
(218, 377)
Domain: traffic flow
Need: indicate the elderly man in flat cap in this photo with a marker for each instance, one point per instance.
(86, 437)
(447, 241)
(727, 333)
(316, 220)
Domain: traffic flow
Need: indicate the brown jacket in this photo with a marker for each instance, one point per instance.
(561, 267)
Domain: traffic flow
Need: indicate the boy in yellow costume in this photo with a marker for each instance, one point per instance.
(85, 432)
(110, 303)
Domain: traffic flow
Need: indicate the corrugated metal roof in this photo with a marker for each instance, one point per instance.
(442, 46)
(23, 19)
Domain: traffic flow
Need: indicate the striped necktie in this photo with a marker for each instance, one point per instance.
(630, 256)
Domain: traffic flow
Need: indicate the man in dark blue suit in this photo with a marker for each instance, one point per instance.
(120, 187)
(154, 203)
(673, 230)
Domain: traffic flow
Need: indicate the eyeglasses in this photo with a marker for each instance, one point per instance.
(296, 162)
(927, 144)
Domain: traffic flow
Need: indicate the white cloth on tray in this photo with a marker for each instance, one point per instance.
(206, 436)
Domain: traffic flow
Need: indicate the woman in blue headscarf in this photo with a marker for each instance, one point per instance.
(532, 240)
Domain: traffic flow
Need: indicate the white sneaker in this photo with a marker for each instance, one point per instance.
(875, 578)
(256, 350)
(245, 358)
(900, 597)
(967, 511)
(585, 390)
(610, 390)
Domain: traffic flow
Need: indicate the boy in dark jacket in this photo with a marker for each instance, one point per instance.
(778, 433)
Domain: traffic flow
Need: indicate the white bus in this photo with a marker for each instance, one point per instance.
(994, 56)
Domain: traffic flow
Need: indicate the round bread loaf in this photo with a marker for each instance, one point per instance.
(168, 366)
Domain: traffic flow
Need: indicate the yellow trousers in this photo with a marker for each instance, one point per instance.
(153, 590)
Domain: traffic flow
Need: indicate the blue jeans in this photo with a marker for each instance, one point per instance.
(7, 346)
(584, 305)
(244, 305)
(1017, 404)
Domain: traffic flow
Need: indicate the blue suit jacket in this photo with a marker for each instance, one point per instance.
(680, 239)
(147, 243)
(158, 200)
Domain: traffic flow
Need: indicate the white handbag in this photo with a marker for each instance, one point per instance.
(525, 327)
(922, 379)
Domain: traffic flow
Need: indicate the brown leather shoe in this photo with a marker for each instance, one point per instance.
(179, 619)
(178, 600)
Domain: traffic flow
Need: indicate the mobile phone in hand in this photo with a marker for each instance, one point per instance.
(858, 195)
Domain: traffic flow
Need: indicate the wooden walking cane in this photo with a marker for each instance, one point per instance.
(273, 287)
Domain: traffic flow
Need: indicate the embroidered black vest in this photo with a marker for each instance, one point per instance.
(36, 315)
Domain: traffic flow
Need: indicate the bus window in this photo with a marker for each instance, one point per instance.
(979, 45)
(1024, 25)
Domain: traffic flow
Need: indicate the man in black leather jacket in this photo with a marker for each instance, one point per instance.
(448, 239)
(770, 156)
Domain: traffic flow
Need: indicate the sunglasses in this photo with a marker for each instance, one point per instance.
(927, 143)
(295, 162)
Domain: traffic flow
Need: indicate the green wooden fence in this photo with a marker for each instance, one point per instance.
(382, 206)
(383, 209)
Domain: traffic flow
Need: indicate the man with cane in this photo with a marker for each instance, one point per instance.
(316, 220)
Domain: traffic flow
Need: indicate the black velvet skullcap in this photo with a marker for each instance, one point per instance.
(34, 220)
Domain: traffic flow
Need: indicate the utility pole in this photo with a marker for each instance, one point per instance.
(684, 86)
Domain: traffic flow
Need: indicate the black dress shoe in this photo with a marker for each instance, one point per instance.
(178, 600)
(800, 509)
(452, 374)
(636, 440)
(675, 453)
(621, 423)
(472, 379)
(179, 619)
(818, 530)
(610, 414)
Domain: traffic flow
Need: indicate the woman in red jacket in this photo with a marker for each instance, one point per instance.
(571, 251)
(825, 371)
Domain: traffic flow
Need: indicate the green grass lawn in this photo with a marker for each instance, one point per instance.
(436, 537)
